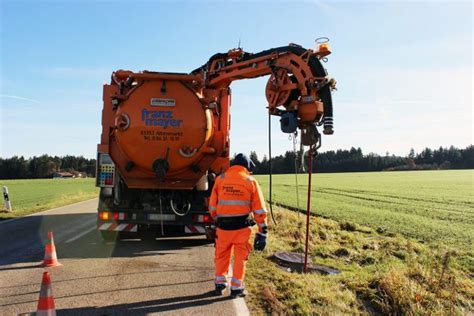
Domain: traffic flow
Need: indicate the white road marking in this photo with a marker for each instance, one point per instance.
(240, 306)
(239, 302)
(80, 235)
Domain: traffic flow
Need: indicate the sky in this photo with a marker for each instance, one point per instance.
(404, 68)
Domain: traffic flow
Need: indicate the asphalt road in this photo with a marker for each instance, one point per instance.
(164, 276)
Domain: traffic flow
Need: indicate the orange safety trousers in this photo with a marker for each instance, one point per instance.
(229, 241)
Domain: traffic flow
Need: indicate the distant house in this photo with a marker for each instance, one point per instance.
(63, 175)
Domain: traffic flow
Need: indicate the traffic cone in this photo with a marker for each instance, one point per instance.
(46, 299)
(50, 257)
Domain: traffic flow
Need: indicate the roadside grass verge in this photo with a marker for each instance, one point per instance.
(380, 274)
(30, 196)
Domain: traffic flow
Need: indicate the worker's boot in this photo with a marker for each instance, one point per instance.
(238, 293)
(220, 288)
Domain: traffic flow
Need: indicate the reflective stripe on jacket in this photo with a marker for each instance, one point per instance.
(236, 193)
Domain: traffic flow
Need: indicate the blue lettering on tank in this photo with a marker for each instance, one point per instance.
(163, 119)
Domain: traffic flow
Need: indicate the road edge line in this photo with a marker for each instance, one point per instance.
(241, 306)
(239, 303)
(81, 234)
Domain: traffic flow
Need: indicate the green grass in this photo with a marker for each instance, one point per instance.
(434, 207)
(404, 242)
(380, 274)
(30, 196)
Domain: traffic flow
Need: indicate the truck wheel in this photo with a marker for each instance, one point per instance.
(108, 236)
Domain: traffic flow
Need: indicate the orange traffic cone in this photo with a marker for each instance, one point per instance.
(50, 257)
(46, 299)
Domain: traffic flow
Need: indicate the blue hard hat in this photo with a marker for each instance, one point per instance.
(244, 161)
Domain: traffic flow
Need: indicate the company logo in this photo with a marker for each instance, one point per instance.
(164, 119)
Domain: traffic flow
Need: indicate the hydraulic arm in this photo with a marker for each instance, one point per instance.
(298, 81)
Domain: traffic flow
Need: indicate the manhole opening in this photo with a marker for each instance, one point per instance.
(294, 262)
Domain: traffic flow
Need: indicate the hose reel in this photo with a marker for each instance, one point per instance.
(180, 210)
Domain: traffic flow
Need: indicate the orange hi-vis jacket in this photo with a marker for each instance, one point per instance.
(236, 193)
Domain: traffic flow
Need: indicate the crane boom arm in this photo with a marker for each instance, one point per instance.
(298, 81)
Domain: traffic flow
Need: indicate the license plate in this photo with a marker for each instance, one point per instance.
(159, 217)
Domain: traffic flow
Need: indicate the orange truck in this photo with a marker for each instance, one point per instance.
(165, 136)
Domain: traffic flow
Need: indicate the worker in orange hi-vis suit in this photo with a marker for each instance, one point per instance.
(236, 198)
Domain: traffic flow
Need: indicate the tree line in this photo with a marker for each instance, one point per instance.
(44, 166)
(353, 160)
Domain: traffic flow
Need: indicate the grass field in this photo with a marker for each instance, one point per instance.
(29, 196)
(430, 206)
(403, 241)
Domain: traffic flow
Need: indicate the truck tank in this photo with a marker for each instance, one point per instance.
(162, 133)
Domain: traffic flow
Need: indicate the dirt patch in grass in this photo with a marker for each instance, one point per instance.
(380, 274)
